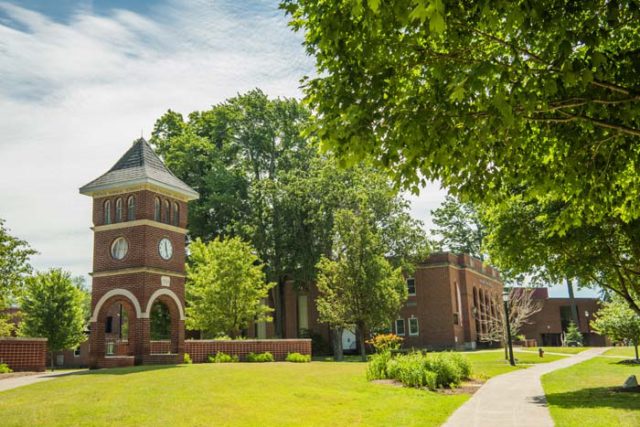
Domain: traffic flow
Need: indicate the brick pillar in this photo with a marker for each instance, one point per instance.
(144, 339)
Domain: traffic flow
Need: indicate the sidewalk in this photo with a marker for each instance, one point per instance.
(11, 383)
(514, 399)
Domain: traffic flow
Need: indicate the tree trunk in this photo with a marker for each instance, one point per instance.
(336, 342)
(363, 350)
(52, 366)
(574, 308)
(635, 344)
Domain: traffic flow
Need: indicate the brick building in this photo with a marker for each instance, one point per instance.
(448, 294)
(139, 225)
(547, 325)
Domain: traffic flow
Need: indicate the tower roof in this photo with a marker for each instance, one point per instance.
(139, 165)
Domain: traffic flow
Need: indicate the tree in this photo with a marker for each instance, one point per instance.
(618, 322)
(226, 287)
(482, 95)
(522, 306)
(14, 268)
(357, 285)
(521, 239)
(261, 179)
(572, 336)
(53, 307)
(459, 227)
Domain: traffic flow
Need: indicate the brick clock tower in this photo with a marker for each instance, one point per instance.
(139, 225)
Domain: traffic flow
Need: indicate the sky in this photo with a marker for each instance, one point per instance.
(80, 80)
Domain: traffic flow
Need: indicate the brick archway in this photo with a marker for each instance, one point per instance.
(157, 351)
(123, 352)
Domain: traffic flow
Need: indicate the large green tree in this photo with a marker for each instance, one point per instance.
(483, 95)
(53, 306)
(14, 269)
(357, 285)
(458, 227)
(618, 322)
(226, 287)
(261, 179)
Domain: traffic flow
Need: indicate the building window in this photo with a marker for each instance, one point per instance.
(119, 210)
(108, 325)
(400, 327)
(456, 319)
(413, 326)
(119, 248)
(131, 208)
(76, 352)
(156, 209)
(107, 212)
(176, 214)
(411, 286)
(167, 212)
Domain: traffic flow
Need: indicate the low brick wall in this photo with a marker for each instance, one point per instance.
(199, 350)
(24, 354)
(160, 347)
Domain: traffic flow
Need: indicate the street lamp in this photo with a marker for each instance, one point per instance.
(505, 298)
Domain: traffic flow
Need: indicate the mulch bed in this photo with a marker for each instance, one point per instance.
(467, 387)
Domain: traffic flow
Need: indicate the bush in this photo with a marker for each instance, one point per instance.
(418, 370)
(5, 369)
(377, 367)
(221, 357)
(187, 359)
(385, 342)
(298, 358)
(260, 357)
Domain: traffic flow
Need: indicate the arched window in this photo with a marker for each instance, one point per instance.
(167, 212)
(131, 208)
(107, 212)
(119, 210)
(176, 214)
(156, 209)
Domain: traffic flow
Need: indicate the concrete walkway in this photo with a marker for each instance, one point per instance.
(11, 383)
(514, 399)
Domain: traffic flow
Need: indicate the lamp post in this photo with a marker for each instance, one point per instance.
(505, 298)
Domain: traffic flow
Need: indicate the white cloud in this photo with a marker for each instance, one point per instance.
(74, 95)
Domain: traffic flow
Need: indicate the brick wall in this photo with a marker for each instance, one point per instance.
(24, 354)
(144, 207)
(199, 350)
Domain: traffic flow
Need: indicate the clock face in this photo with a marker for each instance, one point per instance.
(119, 248)
(165, 248)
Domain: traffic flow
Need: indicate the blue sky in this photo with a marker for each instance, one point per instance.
(80, 80)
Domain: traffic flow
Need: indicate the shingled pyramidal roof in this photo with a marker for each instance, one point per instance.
(139, 165)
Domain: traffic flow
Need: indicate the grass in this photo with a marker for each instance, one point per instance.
(622, 351)
(563, 350)
(581, 395)
(489, 364)
(238, 394)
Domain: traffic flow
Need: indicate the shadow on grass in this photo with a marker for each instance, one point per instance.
(597, 397)
(346, 359)
(127, 371)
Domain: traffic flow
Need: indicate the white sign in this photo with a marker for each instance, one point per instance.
(165, 281)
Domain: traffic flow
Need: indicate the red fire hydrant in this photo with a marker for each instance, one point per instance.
(540, 352)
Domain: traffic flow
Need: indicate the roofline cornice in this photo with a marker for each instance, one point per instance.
(136, 185)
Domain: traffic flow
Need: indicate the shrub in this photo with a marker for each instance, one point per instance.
(260, 357)
(450, 367)
(385, 342)
(221, 357)
(298, 358)
(5, 369)
(187, 359)
(377, 367)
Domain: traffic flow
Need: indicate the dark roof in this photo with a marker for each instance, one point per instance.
(140, 164)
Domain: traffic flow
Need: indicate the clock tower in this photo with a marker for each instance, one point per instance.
(139, 225)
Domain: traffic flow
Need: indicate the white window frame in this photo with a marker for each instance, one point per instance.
(404, 329)
(414, 286)
(417, 327)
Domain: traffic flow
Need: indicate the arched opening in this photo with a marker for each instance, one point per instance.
(107, 212)
(163, 319)
(167, 212)
(119, 210)
(156, 209)
(116, 324)
(131, 208)
(176, 214)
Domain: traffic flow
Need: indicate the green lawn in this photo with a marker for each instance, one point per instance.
(239, 394)
(621, 351)
(581, 395)
(489, 364)
(563, 350)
